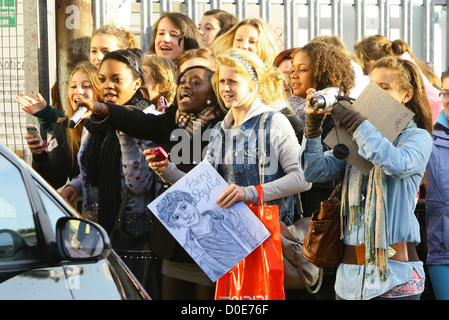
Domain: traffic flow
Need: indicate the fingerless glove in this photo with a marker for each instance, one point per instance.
(346, 117)
(313, 126)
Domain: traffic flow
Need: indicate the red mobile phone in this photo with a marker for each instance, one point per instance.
(160, 153)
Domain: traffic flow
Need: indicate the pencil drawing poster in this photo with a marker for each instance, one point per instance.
(216, 238)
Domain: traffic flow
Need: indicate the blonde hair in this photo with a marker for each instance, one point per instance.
(371, 48)
(267, 80)
(267, 49)
(125, 38)
(163, 72)
(92, 72)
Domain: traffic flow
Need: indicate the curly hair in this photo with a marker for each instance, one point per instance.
(170, 201)
(330, 67)
(125, 38)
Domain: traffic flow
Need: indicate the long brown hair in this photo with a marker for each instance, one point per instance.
(75, 134)
(409, 79)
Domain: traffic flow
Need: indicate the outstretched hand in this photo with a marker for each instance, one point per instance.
(31, 105)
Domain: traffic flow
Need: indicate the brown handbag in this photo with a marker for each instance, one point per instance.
(323, 245)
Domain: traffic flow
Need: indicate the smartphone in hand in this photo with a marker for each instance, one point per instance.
(34, 131)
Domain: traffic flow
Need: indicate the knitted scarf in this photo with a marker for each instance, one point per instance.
(187, 120)
(373, 188)
(101, 161)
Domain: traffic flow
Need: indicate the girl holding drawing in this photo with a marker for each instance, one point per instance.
(378, 208)
(196, 103)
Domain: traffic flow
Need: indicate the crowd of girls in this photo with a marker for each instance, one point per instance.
(223, 79)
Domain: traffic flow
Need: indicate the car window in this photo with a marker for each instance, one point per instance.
(17, 228)
(52, 208)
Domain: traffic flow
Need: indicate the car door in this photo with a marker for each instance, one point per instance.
(24, 269)
(31, 263)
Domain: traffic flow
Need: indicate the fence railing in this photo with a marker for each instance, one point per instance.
(422, 24)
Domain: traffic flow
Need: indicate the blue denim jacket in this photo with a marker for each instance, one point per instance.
(240, 164)
(404, 163)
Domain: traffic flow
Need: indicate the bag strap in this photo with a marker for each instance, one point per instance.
(259, 190)
(285, 231)
(301, 274)
(337, 188)
(121, 211)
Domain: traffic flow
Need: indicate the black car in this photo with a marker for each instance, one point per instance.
(47, 251)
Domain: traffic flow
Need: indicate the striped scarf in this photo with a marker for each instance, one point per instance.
(373, 188)
(190, 121)
(374, 210)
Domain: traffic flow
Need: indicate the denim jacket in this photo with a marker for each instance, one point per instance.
(404, 163)
(235, 154)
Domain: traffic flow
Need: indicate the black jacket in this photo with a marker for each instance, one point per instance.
(56, 164)
(159, 129)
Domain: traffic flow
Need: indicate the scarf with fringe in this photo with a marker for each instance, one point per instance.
(373, 189)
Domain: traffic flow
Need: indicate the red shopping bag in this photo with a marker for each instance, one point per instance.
(259, 276)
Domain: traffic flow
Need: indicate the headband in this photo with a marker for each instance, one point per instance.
(248, 66)
(190, 68)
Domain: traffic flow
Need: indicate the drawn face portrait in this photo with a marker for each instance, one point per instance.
(385, 78)
(185, 215)
(100, 45)
(167, 42)
(116, 82)
(80, 87)
(246, 38)
(208, 27)
(194, 90)
(301, 76)
(235, 90)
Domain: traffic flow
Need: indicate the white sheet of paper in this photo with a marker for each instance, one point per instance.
(387, 114)
(216, 238)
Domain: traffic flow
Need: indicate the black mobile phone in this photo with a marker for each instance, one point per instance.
(34, 131)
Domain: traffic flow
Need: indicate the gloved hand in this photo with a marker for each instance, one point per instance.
(313, 126)
(346, 117)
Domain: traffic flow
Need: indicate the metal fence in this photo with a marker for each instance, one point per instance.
(12, 73)
(423, 24)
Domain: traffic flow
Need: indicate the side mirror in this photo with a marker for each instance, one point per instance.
(79, 239)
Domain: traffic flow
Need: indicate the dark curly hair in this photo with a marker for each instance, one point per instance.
(170, 201)
(330, 67)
